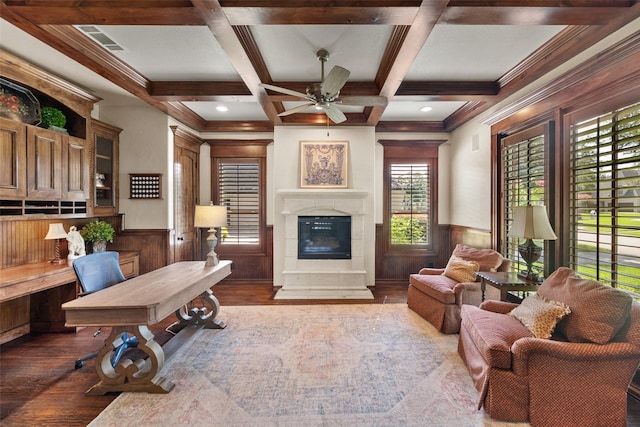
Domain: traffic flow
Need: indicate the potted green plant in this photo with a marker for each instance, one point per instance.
(98, 233)
(53, 118)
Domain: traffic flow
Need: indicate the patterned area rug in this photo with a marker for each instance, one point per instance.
(312, 365)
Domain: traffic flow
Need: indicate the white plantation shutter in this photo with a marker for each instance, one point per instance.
(605, 198)
(239, 191)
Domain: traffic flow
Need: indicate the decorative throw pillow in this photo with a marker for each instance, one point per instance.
(487, 259)
(540, 315)
(460, 270)
(598, 312)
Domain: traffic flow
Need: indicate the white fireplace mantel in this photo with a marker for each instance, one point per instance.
(311, 279)
(338, 193)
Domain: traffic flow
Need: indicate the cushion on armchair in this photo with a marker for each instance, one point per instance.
(540, 315)
(460, 270)
(487, 259)
(597, 311)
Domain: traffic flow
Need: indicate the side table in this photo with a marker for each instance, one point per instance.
(505, 281)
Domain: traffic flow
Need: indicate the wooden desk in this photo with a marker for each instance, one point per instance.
(505, 282)
(144, 300)
(24, 305)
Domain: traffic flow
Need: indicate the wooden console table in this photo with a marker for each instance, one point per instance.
(26, 308)
(505, 282)
(132, 305)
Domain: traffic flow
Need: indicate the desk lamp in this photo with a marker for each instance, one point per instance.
(211, 217)
(530, 222)
(56, 231)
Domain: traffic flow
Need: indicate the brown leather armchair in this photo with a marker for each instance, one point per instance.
(438, 298)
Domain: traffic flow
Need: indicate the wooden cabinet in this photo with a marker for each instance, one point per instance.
(47, 168)
(31, 295)
(13, 159)
(75, 163)
(44, 163)
(104, 170)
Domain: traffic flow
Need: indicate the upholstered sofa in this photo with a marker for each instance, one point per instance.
(437, 294)
(578, 376)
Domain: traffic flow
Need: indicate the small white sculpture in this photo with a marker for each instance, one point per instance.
(76, 244)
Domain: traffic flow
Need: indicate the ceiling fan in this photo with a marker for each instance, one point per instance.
(324, 95)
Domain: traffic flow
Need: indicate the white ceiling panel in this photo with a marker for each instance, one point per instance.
(172, 52)
(236, 110)
(398, 111)
(477, 52)
(290, 51)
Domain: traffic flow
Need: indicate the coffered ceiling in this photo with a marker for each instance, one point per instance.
(187, 58)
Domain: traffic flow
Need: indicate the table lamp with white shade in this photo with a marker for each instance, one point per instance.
(531, 222)
(56, 232)
(211, 216)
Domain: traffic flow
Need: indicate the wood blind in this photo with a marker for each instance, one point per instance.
(605, 198)
(523, 167)
(410, 204)
(239, 190)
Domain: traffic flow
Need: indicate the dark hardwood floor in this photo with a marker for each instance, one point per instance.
(39, 385)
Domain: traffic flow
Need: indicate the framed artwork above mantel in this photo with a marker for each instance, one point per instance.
(324, 164)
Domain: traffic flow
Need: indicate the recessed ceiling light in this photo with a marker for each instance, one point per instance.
(222, 108)
(426, 109)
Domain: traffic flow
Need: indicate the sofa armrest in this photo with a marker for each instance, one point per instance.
(468, 293)
(526, 347)
(502, 307)
(432, 271)
(530, 353)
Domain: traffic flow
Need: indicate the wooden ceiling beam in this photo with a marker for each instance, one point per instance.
(117, 12)
(200, 91)
(402, 51)
(223, 31)
(413, 88)
(529, 15)
(309, 15)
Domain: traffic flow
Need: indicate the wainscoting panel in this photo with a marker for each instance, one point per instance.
(249, 265)
(470, 236)
(154, 247)
(22, 240)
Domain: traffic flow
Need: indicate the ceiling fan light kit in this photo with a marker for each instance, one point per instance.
(324, 95)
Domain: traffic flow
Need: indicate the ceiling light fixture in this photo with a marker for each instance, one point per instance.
(222, 108)
(426, 109)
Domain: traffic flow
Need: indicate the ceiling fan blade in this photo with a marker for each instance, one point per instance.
(285, 91)
(334, 81)
(296, 109)
(334, 113)
(369, 101)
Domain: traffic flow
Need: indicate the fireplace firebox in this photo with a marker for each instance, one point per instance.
(324, 237)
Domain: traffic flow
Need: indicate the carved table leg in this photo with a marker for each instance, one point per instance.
(205, 315)
(129, 375)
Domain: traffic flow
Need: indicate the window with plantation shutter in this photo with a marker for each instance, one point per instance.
(239, 190)
(604, 206)
(410, 204)
(523, 183)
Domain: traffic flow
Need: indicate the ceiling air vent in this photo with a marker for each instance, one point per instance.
(99, 37)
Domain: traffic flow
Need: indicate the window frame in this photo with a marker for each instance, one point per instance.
(411, 152)
(245, 151)
(508, 246)
(580, 116)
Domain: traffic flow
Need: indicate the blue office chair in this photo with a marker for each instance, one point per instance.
(96, 272)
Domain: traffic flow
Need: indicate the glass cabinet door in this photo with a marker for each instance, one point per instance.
(105, 168)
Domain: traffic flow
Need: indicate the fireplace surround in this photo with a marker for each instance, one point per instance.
(323, 278)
